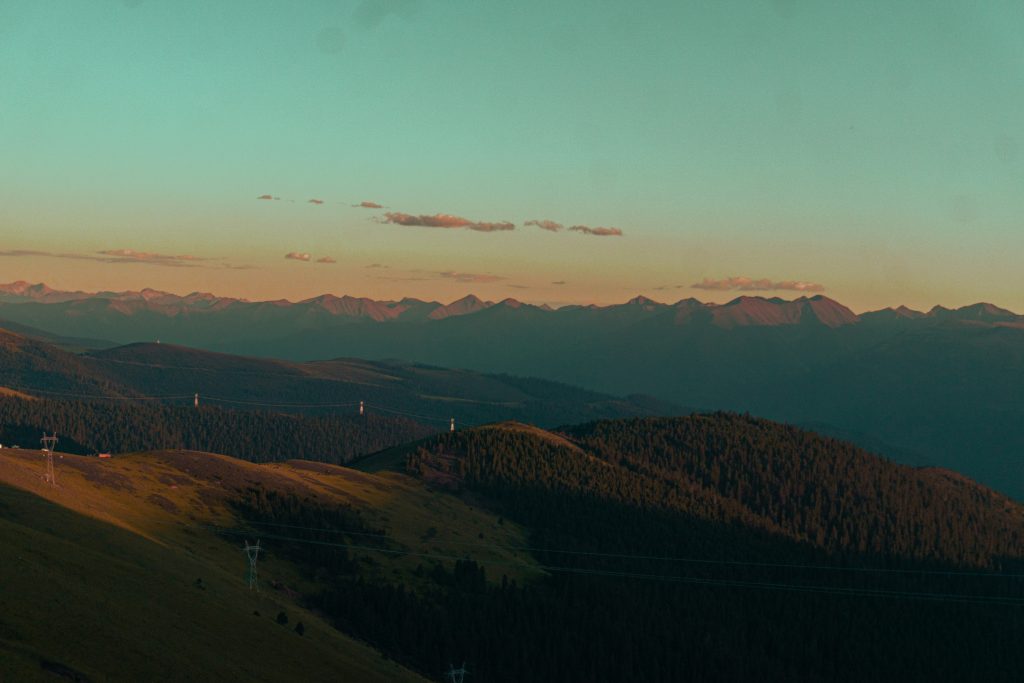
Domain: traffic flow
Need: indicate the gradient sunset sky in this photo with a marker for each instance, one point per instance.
(870, 150)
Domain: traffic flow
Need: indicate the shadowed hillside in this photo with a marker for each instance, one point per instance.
(681, 543)
(145, 550)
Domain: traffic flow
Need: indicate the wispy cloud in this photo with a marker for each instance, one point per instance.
(325, 259)
(118, 256)
(558, 282)
(470, 277)
(24, 252)
(297, 256)
(130, 255)
(377, 265)
(368, 205)
(265, 196)
(551, 226)
(599, 232)
(762, 285)
(444, 220)
(315, 201)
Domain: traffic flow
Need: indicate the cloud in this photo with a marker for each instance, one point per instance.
(545, 224)
(440, 220)
(315, 201)
(558, 282)
(326, 259)
(444, 220)
(146, 256)
(492, 227)
(297, 256)
(116, 256)
(377, 265)
(747, 284)
(264, 196)
(469, 277)
(24, 252)
(599, 232)
(368, 205)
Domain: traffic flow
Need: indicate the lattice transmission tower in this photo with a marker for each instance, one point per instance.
(49, 443)
(252, 551)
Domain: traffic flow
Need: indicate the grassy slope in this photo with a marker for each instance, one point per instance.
(105, 565)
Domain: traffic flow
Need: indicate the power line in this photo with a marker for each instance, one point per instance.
(1000, 600)
(194, 397)
(219, 399)
(662, 558)
(103, 397)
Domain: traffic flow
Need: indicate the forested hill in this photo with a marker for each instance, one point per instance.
(86, 427)
(735, 470)
(717, 548)
(174, 374)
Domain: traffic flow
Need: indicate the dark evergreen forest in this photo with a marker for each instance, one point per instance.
(710, 548)
(123, 426)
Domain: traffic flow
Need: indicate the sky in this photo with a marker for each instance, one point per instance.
(555, 152)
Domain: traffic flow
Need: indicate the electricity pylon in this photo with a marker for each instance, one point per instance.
(251, 552)
(49, 443)
(456, 675)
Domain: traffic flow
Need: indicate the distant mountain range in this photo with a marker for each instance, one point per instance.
(201, 311)
(206, 320)
(943, 387)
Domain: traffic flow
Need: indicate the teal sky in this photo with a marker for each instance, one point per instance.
(873, 148)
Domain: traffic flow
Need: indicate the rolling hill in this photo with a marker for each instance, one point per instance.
(428, 394)
(680, 543)
(616, 548)
(943, 387)
(132, 561)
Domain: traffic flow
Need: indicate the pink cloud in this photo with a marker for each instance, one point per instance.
(444, 220)
(368, 205)
(326, 259)
(146, 256)
(264, 196)
(762, 285)
(470, 277)
(599, 232)
(315, 201)
(551, 226)
(492, 227)
(297, 256)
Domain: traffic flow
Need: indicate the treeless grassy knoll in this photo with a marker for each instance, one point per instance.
(105, 576)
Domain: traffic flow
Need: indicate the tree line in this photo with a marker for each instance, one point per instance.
(87, 427)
